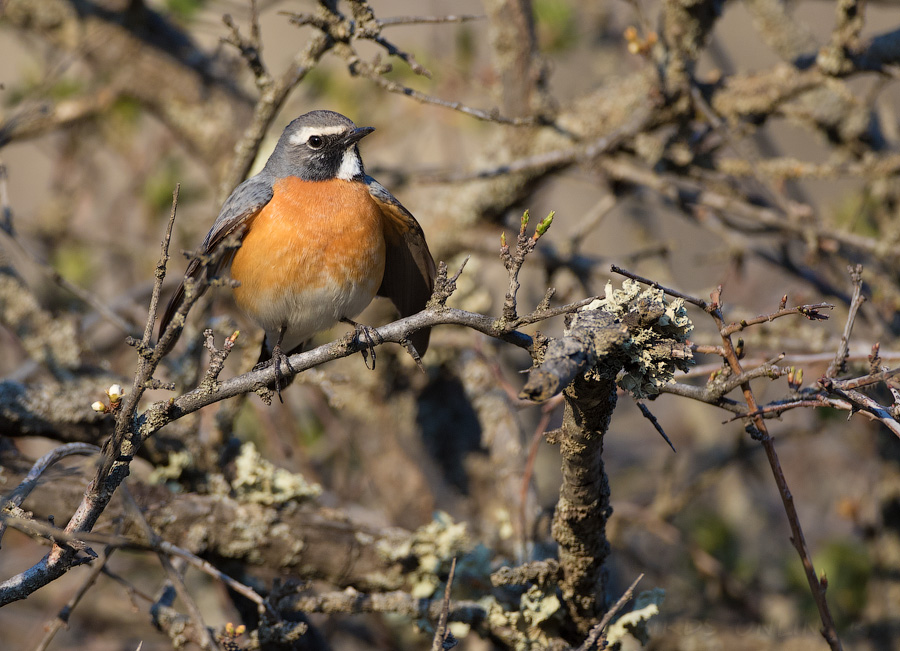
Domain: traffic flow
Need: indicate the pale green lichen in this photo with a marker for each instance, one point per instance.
(654, 351)
(172, 471)
(634, 624)
(433, 546)
(532, 625)
(258, 481)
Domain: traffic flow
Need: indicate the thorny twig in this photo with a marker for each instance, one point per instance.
(862, 401)
(645, 411)
(703, 305)
(761, 433)
(547, 410)
(757, 428)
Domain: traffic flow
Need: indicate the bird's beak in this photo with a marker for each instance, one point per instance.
(358, 134)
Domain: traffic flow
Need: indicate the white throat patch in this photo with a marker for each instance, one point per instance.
(303, 134)
(350, 165)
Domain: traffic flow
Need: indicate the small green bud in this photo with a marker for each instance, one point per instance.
(544, 226)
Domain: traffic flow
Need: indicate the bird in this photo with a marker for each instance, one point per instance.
(319, 239)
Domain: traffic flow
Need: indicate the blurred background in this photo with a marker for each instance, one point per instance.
(773, 180)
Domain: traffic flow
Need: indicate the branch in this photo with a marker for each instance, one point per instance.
(759, 432)
(597, 631)
(595, 335)
(13, 500)
(839, 363)
(166, 71)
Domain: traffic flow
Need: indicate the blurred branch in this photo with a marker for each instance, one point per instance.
(48, 339)
(62, 618)
(443, 638)
(313, 543)
(10, 236)
(34, 118)
(166, 72)
(13, 500)
(376, 73)
(427, 20)
(833, 58)
(554, 160)
(687, 192)
(402, 603)
(273, 93)
(516, 58)
(776, 25)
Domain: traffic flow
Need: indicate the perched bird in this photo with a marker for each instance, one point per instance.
(319, 240)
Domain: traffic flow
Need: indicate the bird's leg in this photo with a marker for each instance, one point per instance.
(275, 360)
(277, 357)
(370, 335)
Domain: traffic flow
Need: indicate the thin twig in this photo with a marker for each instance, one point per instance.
(62, 618)
(839, 363)
(14, 499)
(207, 640)
(812, 312)
(759, 431)
(160, 271)
(864, 402)
(597, 631)
(47, 531)
(547, 410)
(443, 638)
(703, 305)
(367, 70)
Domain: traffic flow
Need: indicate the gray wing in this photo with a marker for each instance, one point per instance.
(409, 269)
(240, 208)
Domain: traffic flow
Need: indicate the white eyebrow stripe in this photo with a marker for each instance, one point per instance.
(303, 134)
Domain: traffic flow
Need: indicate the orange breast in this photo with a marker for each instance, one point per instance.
(314, 254)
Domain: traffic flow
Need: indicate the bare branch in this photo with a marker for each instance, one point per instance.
(13, 500)
(839, 363)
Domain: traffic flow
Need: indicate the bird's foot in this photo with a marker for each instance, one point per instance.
(367, 338)
(278, 358)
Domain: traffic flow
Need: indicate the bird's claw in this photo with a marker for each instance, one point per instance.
(278, 358)
(366, 337)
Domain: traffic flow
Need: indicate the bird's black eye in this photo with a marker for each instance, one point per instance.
(315, 142)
